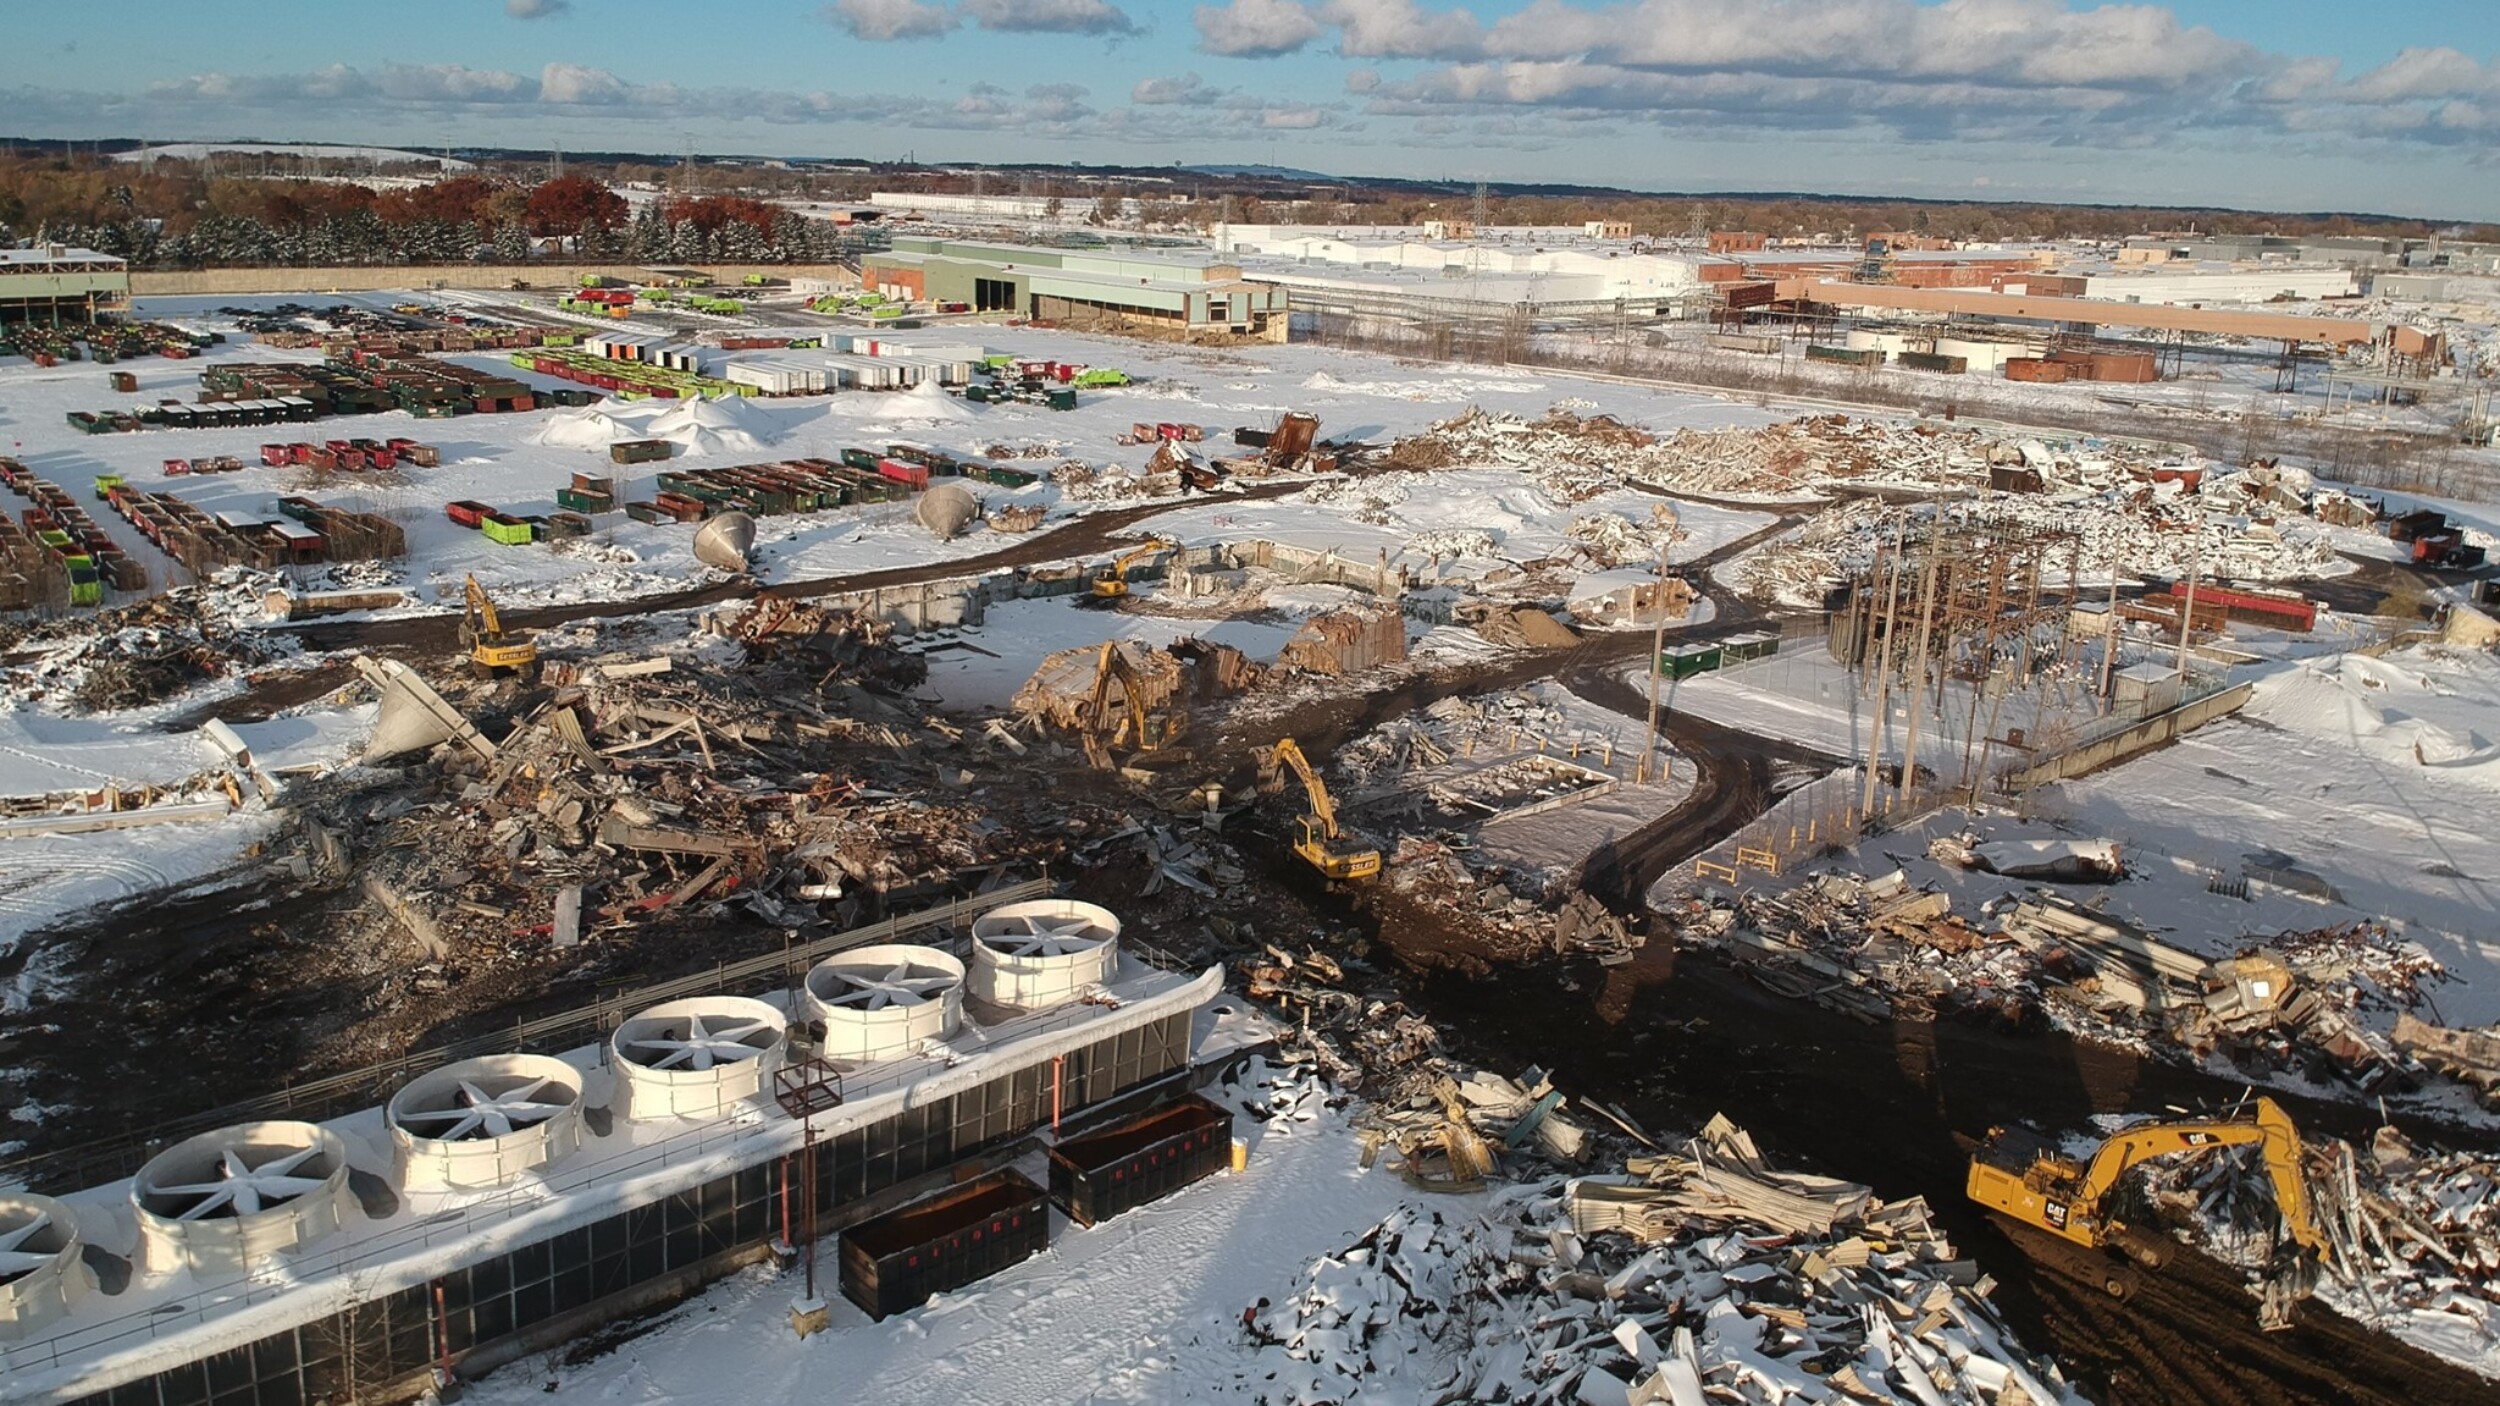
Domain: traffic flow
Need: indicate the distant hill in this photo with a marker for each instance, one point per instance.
(1262, 173)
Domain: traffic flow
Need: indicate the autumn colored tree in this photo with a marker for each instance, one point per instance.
(712, 212)
(573, 204)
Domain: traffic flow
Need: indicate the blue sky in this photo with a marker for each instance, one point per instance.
(2279, 104)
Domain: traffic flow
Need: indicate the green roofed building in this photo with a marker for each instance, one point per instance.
(1178, 296)
(53, 285)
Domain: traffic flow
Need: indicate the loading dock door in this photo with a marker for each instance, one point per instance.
(993, 295)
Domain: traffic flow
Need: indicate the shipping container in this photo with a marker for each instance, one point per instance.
(639, 451)
(1141, 1160)
(1930, 361)
(910, 475)
(1846, 356)
(893, 1263)
(1751, 343)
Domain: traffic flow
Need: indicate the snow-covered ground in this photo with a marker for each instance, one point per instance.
(496, 458)
(1144, 1307)
(990, 662)
(2377, 775)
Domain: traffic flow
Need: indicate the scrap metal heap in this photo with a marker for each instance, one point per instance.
(1686, 1271)
(1879, 947)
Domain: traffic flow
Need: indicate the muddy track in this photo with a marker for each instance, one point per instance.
(1093, 532)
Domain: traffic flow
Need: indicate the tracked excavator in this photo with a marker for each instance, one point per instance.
(492, 649)
(1146, 731)
(1316, 836)
(1112, 584)
(2019, 1177)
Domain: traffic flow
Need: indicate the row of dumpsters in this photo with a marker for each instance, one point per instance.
(350, 455)
(2435, 541)
(52, 553)
(967, 1233)
(1682, 661)
(814, 485)
(356, 382)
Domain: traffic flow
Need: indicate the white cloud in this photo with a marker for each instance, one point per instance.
(1401, 29)
(1293, 117)
(881, 21)
(1255, 29)
(575, 85)
(1049, 16)
(536, 9)
(1156, 92)
(2423, 73)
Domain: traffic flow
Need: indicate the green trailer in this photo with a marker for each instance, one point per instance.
(1737, 649)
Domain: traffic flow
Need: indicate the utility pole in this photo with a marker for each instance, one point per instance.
(1657, 646)
(2109, 634)
(1926, 619)
(2187, 607)
(1883, 669)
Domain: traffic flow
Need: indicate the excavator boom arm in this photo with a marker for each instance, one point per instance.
(487, 621)
(2271, 1128)
(1323, 809)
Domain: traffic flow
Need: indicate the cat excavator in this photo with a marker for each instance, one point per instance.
(1147, 732)
(1112, 584)
(492, 649)
(2019, 1177)
(1316, 836)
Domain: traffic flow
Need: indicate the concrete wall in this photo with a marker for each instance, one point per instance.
(2143, 737)
(381, 277)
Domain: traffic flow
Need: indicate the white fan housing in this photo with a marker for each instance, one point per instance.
(224, 1202)
(698, 1057)
(484, 1121)
(40, 1272)
(883, 1002)
(1031, 956)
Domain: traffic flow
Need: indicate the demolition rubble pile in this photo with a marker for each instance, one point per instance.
(1080, 482)
(636, 793)
(2219, 527)
(1698, 1274)
(1879, 947)
(135, 655)
(1575, 458)
(2413, 1234)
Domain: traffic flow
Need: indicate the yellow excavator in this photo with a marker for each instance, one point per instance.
(1112, 583)
(2018, 1177)
(1146, 731)
(492, 649)
(1315, 834)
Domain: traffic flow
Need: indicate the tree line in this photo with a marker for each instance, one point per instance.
(177, 215)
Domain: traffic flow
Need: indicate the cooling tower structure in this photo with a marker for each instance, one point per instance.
(698, 1057)
(225, 1202)
(883, 1002)
(480, 1123)
(1042, 953)
(40, 1273)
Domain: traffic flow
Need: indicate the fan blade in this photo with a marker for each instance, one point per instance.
(246, 1199)
(416, 1113)
(230, 1164)
(22, 1261)
(496, 1123)
(207, 1204)
(474, 1094)
(195, 1188)
(531, 1112)
(739, 1033)
(288, 1163)
(10, 1240)
(272, 1190)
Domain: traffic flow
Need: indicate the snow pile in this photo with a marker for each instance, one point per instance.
(596, 426)
(712, 427)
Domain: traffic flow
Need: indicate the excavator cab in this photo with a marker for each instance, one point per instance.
(1112, 583)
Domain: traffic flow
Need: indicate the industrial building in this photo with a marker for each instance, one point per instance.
(1180, 296)
(53, 285)
(499, 1204)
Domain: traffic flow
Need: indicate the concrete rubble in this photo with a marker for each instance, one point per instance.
(145, 652)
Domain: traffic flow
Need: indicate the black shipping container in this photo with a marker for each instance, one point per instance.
(895, 1262)
(1147, 1158)
(1249, 438)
